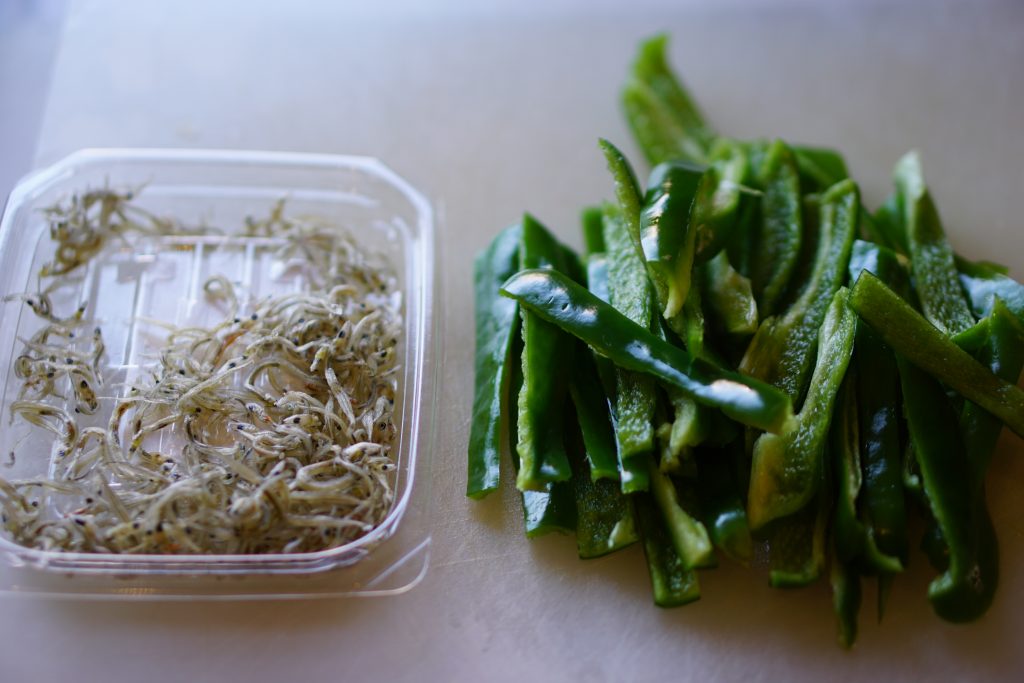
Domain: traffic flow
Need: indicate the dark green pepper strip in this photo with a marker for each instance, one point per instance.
(664, 120)
(497, 324)
(668, 232)
(722, 507)
(546, 353)
(635, 396)
(592, 219)
(778, 240)
(883, 509)
(965, 590)
(553, 509)
(672, 584)
(688, 535)
(853, 540)
(938, 284)
(786, 467)
(820, 167)
(719, 200)
(782, 351)
(729, 297)
(630, 346)
(910, 335)
(591, 403)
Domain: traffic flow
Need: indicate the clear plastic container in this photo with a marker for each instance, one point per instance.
(221, 188)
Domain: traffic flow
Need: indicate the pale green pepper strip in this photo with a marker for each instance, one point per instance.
(787, 467)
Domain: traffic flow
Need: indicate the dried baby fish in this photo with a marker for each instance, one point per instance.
(282, 413)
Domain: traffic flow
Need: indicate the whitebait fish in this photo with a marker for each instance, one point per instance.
(282, 413)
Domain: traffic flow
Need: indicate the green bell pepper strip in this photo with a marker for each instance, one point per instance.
(592, 411)
(820, 167)
(672, 584)
(777, 241)
(886, 226)
(604, 516)
(592, 220)
(938, 284)
(883, 509)
(798, 542)
(668, 232)
(719, 200)
(1002, 351)
(630, 346)
(853, 540)
(965, 590)
(729, 297)
(722, 507)
(497, 324)
(546, 353)
(688, 535)
(908, 334)
(984, 282)
(846, 598)
(554, 508)
(786, 467)
(782, 351)
(664, 119)
(635, 397)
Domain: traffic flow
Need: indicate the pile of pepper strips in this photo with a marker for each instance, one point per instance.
(746, 357)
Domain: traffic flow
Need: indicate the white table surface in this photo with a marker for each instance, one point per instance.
(492, 109)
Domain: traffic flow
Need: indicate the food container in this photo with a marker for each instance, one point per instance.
(384, 213)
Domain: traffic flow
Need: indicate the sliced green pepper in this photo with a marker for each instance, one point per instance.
(910, 335)
(938, 285)
(820, 167)
(557, 299)
(883, 509)
(591, 403)
(964, 591)
(786, 467)
(635, 397)
(782, 351)
(671, 582)
(546, 354)
(688, 535)
(668, 232)
(497, 325)
(777, 242)
(722, 507)
(663, 117)
(554, 507)
(729, 296)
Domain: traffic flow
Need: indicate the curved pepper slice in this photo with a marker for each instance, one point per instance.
(787, 467)
(559, 300)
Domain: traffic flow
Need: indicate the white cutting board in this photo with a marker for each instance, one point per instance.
(492, 109)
